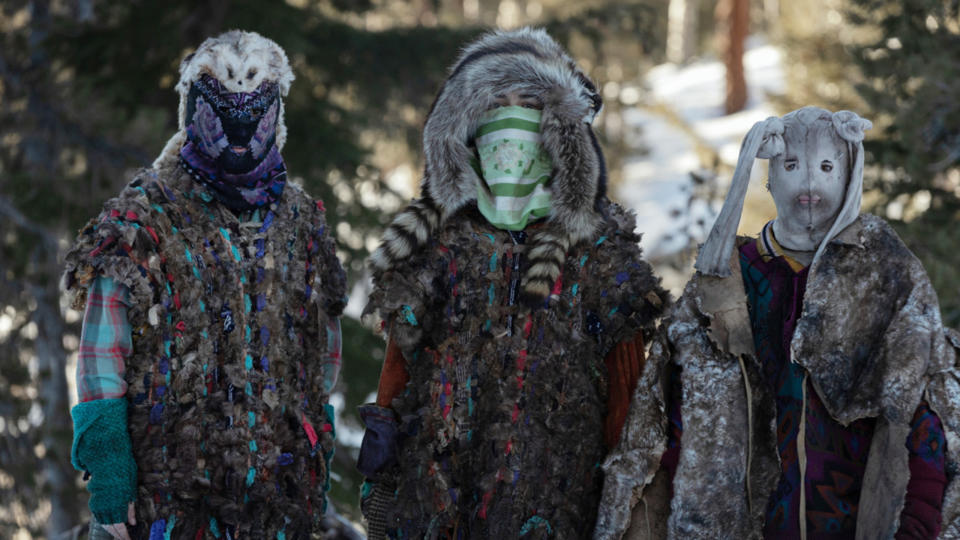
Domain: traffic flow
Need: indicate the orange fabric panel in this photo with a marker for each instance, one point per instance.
(393, 375)
(624, 365)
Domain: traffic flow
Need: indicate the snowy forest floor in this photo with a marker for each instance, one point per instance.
(688, 136)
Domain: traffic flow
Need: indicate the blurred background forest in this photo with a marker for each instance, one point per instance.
(86, 98)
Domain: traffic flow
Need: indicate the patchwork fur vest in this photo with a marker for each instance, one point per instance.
(227, 409)
(872, 343)
(502, 421)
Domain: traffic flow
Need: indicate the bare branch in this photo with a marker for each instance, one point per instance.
(8, 210)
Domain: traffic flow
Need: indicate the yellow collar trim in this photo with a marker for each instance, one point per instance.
(769, 248)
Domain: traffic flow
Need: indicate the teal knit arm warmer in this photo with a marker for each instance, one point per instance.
(101, 447)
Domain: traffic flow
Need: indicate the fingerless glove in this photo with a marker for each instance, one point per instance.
(101, 448)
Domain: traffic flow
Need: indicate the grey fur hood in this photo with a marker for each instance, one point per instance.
(526, 61)
(871, 340)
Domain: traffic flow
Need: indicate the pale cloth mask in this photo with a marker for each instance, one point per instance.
(808, 181)
(835, 137)
(514, 167)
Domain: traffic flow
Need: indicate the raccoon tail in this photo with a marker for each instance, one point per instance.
(409, 230)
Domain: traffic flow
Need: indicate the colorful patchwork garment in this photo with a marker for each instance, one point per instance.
(227, 393)
(505, 325)
(502, 426)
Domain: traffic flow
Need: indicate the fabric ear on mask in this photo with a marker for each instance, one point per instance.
(850, 126)
(764, 140)
(772, 145)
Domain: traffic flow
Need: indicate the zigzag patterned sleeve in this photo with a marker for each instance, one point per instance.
(921, 516)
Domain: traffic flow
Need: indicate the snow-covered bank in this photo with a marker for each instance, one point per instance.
(684, 109)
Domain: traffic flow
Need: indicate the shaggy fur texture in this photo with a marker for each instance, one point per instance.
(636, 459)
(503, 417)
(226, 396)
(529, 62)
(871, 339)
(943, 395)
(240, 61)
(877, 373)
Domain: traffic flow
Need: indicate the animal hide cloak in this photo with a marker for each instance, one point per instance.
(227, 408)
(871, 340)
(502, 422)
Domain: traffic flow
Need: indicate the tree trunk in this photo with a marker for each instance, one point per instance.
(733, 21)
(57, 429)
(682, 30)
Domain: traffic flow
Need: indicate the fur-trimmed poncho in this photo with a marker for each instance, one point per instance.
(227, 409)
(502, 421)
(871, 340)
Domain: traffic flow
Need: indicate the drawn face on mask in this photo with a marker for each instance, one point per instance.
(808, 182)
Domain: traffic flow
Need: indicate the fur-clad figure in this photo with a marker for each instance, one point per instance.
(527, 63)
(231, 290)
(493, 413)
(802, 386)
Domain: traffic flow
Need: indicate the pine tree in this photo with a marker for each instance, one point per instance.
(910, 83)
(893, 62)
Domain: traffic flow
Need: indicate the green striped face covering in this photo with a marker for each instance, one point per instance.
(514, 167)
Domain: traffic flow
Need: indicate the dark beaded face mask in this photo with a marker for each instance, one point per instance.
(235, 130)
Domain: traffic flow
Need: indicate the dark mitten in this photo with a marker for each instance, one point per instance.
(379, 447)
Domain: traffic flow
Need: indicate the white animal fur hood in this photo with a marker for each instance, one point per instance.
(240, 60)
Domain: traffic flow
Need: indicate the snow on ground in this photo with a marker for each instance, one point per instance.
(654, 184)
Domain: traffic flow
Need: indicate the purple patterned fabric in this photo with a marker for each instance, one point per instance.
(239, 192)
(231, 143)
(265, 132)
(207, 130)
(836, 455)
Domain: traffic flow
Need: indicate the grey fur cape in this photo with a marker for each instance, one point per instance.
(227, 409)
(871, 339)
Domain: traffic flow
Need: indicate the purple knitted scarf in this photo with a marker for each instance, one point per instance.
(239, 192)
